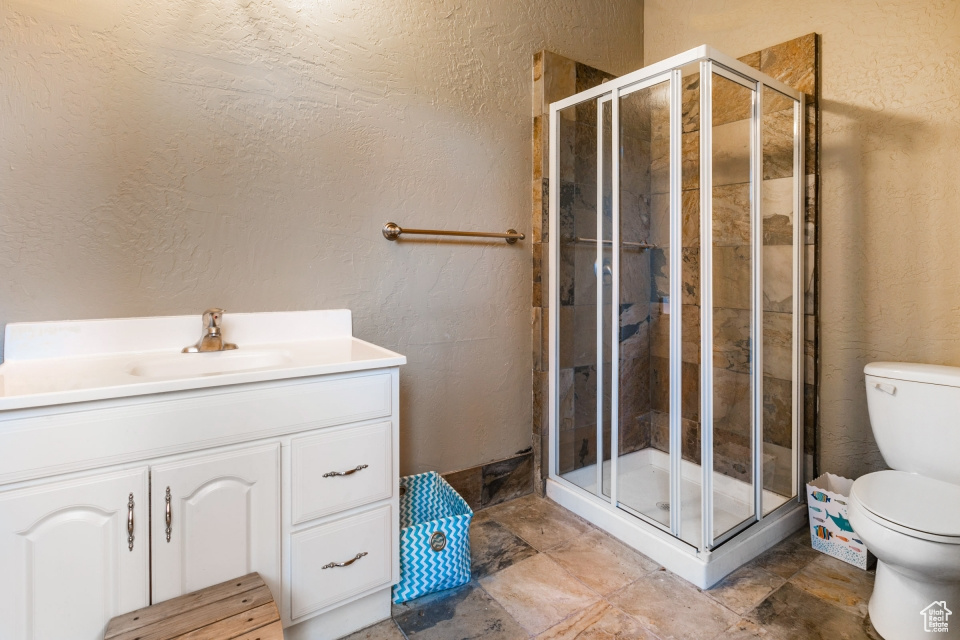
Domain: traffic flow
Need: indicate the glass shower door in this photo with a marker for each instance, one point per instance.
(644, 304)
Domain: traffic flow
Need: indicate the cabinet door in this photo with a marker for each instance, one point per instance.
(224, 520)
(67, 562)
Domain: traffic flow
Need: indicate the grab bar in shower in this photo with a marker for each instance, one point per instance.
(640, 245)
(392, 231)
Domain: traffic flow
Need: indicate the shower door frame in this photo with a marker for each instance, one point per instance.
(763, 526)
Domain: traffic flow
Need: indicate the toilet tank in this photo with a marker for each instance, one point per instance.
(915, 415)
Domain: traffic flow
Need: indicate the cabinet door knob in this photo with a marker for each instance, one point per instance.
(168, 515)
(130, 522)
(331, 474)
(331, 565)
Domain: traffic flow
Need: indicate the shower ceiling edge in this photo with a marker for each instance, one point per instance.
(715, 554)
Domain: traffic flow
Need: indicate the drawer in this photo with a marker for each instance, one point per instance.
(363, 458)
(312, 587)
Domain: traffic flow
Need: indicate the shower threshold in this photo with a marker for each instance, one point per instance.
(644, 489)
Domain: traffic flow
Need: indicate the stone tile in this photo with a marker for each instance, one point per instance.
(731, 277)
(493, 547)
(635, 285)
(540, 522)
(778, 411)
(810, 210)
(837, 582)
(540, 194)
(469, 484)
(565, 391)
(566, 275)
(584, 275)
(731, 101)
(538, 593)
(566, 451)
(386, 630)
(745, 588)
(566, 336)
(777, 278)
(731, 339)
(507, 479)
(690, 162)
(751, 60)
(778, 211)
(601, 562)
(690, 289)
(778, 345)
(465, 613)
(810, 348)
(809, 419)
(778, 144)
(599, 622)
(584, 446)
(793, 63)
(791, 614)
(634, 389)
(731, 215)
(586, 152)
(536, 337)
(585, 335)
(786, 558)
(731, 153)
(585, 395)
(660, 218)
(559, 77)
(634, 329)
(731, 407)
(673, 608)
(634, 434)
(690, 102)
(540, 168)
(541, 394)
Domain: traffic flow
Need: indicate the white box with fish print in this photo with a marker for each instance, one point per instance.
(830, 530)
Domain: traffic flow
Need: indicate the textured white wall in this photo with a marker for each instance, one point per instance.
(890, 195)
(161, 157)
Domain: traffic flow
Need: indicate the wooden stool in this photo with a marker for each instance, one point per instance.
(240, 609)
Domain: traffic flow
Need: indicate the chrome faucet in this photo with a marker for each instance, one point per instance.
(211, 340)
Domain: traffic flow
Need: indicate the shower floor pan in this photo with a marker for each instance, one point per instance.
(644, 488)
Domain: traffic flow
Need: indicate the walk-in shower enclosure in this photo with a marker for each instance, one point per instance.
(675, 326)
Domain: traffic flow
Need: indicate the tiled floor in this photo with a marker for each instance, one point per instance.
(541, 572)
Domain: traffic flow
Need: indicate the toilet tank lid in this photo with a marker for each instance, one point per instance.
(915, 372)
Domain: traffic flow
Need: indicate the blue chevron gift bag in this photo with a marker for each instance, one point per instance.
(434, 537)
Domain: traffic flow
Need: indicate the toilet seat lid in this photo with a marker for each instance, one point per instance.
(912, 501)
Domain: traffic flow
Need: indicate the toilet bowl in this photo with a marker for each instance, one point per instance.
(917, 547)
(909, 517)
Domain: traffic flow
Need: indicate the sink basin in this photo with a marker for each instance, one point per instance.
(51, 363)
(208, 364)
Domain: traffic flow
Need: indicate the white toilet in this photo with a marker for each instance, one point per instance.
(910, 517)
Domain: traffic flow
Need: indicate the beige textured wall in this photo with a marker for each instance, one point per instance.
(158, 158)
(890, 194)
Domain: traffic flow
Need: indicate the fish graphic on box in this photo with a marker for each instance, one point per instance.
(830, 530)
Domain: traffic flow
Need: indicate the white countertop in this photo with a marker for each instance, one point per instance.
(49, 363)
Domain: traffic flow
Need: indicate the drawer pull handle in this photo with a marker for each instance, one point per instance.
(331, 474)
(169, 515)
(331, 565)
(130, 522)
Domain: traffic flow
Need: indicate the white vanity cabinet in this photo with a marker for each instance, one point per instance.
(68, 564)
(213, 518)
(118, 490)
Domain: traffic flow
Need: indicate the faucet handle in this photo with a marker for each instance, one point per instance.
(211, 318)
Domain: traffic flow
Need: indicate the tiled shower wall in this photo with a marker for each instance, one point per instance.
(644, 364)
